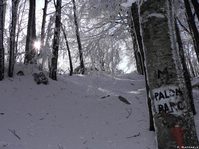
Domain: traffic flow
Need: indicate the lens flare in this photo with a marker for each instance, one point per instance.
(37, 44)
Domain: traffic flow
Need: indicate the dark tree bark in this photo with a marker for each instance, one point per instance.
(185, 69)
(78, 39)
(31, 34)
(56, 40)
(136, 25)
(192, 26)
(1, 40)
(196, 7)
(137, 54)
(172, 113)
(44, 22)
(68, 49)
(141, 58)
(12, 37)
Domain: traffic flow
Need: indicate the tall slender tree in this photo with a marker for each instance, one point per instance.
(12, 37)
(20, 15)
(1, 39)
(193, 27)
(43, 51)
(31, 34)
(138, 37)
(68, 49)
(172, 112)
(82, 67)
(44, 21)
(56, 40)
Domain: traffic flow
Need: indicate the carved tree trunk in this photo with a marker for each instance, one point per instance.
(78, 38)
(1, 40)
(172, 112)
(31, 34)
(12, 37)
(56, 40)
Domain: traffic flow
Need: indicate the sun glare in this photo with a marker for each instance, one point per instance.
(37, 44)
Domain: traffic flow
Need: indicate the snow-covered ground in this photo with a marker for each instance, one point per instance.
(78, 112)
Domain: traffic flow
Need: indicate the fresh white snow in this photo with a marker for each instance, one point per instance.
(78, 112)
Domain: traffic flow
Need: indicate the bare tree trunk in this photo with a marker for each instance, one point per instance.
(137, 54)
(12, 37)
(43, 51)
(185, 69)
(196, 7)
(56, 40)
(192, 26)
(136, 25)
(44, 22)
(78, 38)
(1, 40)
(138, 36)
(19, 22)
(31, 34)
(47, 45)
(172, 113)
(68, 49)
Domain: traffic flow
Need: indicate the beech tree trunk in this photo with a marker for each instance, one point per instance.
(56, 40)
(172, 112)
(68, 49)
(192, 26)
(78, 38)
(31, 34)
(1, 40)
(12, 37)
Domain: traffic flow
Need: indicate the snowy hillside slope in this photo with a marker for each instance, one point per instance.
(78, 112)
